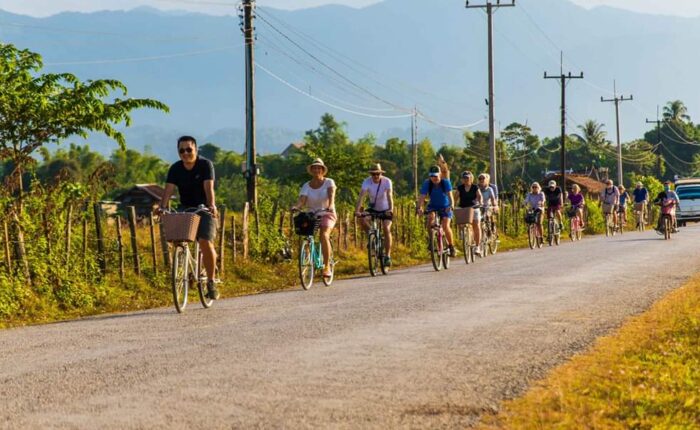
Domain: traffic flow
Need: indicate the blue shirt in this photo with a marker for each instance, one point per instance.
(640, 195)
(439, 198)
(623, 198)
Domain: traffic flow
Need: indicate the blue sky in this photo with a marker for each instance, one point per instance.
(50, 7)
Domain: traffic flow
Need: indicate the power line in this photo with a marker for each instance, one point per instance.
(332, 105)
(140, 59)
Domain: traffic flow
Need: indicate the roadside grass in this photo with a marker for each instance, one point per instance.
(644, 376)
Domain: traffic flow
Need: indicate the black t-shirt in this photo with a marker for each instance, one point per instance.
(190, 183)
(553, 197)
(467, 197)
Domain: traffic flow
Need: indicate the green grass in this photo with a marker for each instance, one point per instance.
(644, 376)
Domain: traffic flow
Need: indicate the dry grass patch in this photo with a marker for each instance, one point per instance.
(645, 376)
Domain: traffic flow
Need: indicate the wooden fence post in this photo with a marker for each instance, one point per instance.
(20, 250)
(354, 221)
(120, 247)
(131, 212)
(101, 257)
(69, 216)
(233, 236)
(8, 255)
(222, 240)
(246, 216)
(154, 254)
(85, 233)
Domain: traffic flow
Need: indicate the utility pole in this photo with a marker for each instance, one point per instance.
(489, 7)
(658, 123)
(251, 171)
(617, 100)
(563, 81)
(414, 151)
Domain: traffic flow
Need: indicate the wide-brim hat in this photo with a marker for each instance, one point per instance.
(377, 168)
(317, 162)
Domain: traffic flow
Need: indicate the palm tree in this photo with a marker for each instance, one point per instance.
(676, 111)
(593, 134)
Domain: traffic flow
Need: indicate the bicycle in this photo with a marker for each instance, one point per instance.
(437, 242)
(609, 219)
(639, 216)
(375, 244)
(466, 233)
(489, 235)
(181, 230)
(575, 225)
(534, 229)
(621, 218)
(666, 226)
(553, 229)
(310, 257)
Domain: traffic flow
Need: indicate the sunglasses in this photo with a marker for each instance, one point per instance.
(187, 150)
(376, 174)
(482, 178)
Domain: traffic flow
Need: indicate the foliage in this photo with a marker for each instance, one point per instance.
(37, 109)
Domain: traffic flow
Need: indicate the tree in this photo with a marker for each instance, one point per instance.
(37, 109)
(676, 111)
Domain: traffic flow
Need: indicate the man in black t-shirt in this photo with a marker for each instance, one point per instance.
(555, 201)
(194, 178)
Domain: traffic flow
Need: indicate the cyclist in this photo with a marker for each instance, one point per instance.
(624, 199)
(641, 198)
(662, 199)
(318, 195)
(577, 201)
(194, 178)
(439, 191)
(535, 200)
(470, 197)
(555, 200)
(379, 189)
(610, 196)
(490, 199)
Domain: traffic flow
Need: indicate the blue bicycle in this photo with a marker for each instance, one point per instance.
(310, 258)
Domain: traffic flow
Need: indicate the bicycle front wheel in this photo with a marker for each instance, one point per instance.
(531, 235)
(372, 254)
(466, 244)
(180, 278)
(445, 254)
(493, 243)
(667, 228)
(202, 284)
(306, 264)
(435, 251)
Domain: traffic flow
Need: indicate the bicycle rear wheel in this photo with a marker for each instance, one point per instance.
(372, 255)
(608, 222)
(179, 278)
(381, 254)
(667, 227)
(493, 243)
(435, 251)
(202, 284)
(306, 264)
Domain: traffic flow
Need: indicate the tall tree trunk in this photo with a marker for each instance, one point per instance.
(20, 250)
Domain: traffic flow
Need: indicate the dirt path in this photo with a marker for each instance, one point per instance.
(415, 349)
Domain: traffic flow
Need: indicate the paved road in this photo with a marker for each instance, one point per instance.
(415, 349)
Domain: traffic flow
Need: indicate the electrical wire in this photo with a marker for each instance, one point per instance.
(319, 100)
(141, 59)
(333, 70)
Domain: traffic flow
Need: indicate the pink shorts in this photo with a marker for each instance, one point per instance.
(328, 220)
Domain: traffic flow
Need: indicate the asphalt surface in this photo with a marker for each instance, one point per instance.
(415, 349)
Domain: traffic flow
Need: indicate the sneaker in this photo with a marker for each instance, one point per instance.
(477, 251)
(453, 253)
(387, 261)
(212, 292)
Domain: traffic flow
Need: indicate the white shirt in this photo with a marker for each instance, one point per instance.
(378, 193)
(317, 199)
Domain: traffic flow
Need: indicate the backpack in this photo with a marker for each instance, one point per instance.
(431, 186)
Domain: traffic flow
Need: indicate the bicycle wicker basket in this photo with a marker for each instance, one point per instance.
(464, 215)
(530, 218)
(180, 227)
(306, 224)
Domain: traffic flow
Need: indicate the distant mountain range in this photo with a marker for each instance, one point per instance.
(376, 61)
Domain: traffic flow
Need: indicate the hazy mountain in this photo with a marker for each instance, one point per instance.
(405, 52)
